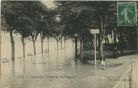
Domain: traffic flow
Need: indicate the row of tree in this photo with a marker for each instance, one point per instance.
(31, 18)
(80, 17)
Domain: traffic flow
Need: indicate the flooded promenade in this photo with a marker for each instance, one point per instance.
(56, 69)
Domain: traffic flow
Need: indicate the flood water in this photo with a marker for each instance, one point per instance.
(56, 69)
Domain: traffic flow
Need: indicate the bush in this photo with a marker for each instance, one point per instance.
(89, 55)
(88, 46)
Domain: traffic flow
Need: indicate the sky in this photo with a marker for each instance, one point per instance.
(48, 3)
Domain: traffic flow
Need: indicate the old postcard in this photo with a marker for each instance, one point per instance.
(69, 44)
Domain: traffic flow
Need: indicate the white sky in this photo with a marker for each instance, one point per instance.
(48, 3)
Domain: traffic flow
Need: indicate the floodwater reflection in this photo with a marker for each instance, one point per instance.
(57, 69)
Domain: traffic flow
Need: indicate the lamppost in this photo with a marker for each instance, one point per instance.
(76, 35)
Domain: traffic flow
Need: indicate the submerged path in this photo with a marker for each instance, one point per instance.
(58, 69)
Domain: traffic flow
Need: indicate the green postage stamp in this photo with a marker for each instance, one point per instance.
(126, 14)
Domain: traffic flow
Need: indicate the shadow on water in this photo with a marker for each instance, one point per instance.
(15, 75)
(78, 60)
(48, 64)
(58, 67)
(33, 66)
(57, 59)
(24, 66)
(13, 69)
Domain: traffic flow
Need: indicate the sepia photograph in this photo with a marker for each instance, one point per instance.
(69, 44)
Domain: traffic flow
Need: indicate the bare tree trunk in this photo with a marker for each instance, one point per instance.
(42, 46)
(42, 41)
(48, 43)
(81, 49)
(107, 39)
(115, 48)
(64, 42)
(99, 45)
(121, 43)
(23, 44)
(101, 39)
(61, 43)
(34, 46)
(57, 44)
(76, 47)
(101, 49)
(12, 46)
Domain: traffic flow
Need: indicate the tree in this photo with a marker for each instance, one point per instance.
(57, 32)
(79, 17)
(35, 9)
(22, 17)
(24, 28)
(45, 25)
(11, 10)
